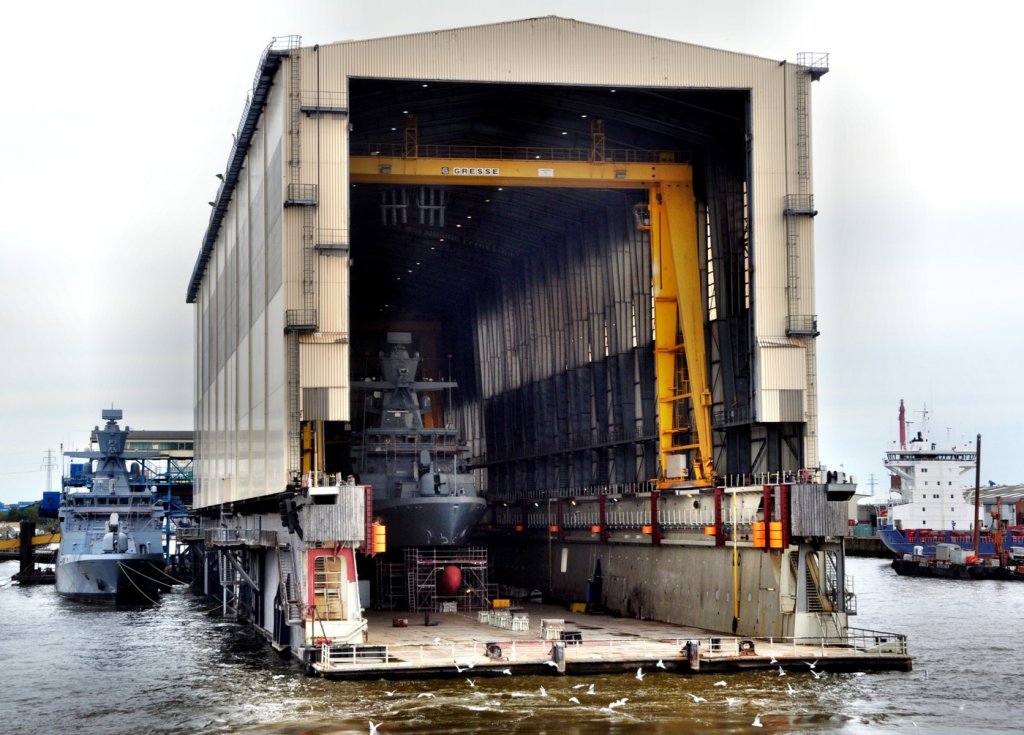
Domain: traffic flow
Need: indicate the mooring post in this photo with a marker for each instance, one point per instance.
(26, 555)
(558, 655)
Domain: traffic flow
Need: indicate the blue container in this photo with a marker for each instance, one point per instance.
(50, 505)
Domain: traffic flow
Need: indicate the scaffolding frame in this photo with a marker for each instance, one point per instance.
(422, 567)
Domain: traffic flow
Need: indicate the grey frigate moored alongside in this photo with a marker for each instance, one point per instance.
(110, 522)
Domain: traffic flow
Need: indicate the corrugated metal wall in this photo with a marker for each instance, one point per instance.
(813, 514)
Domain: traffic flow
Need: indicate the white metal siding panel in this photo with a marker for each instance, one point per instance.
(277, 401)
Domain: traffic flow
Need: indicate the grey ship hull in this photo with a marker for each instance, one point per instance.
(429, 521)
(111, 578)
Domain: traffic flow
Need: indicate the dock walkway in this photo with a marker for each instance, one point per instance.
(453, 642)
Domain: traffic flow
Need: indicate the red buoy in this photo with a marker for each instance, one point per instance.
(449, 580)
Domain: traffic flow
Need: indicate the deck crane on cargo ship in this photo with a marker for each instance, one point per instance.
(680, 355)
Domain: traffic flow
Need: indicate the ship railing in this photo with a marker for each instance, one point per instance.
(240, 537)
(522, 153)
(464, 654)
(876, 641)
(189, 532)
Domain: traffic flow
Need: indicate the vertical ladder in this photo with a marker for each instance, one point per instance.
(294, 115)
(289, 585)
(294, 406)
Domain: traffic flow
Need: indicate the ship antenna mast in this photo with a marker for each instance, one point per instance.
(903, 426)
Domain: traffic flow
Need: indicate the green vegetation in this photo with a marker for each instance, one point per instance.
(31, 513)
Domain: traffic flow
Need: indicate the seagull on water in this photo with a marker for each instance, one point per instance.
(390, 694)
(660, 664)
(590, 690)
(578, 686)
(720, 684)
(640, 674)
(618, 703)
(790, 690)
(757, 721)
(543, 692)
(574, 700)
(782, 671)
(732, 701)
(426, 695)
(695, 698)
(472, 683)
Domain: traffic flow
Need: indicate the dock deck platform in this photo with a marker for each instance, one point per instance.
(402, 646)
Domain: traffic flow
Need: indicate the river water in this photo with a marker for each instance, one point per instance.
(179, 668)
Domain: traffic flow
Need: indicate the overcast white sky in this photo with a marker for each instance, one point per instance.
(117, 115)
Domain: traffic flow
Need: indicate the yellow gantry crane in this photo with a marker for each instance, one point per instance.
(680, 353)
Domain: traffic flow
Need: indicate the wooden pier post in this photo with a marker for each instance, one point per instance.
(27, 554)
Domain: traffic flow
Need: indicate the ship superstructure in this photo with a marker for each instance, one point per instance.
(926, 482)
(111, 524)
(422, 491)
(927, 506)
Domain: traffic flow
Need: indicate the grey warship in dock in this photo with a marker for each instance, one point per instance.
(421, 489)
(110, 522)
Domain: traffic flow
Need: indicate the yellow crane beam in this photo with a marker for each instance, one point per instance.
(514, 172)
(680, 353)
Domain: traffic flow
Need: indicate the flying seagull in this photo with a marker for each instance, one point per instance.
(720, 684)
(781, 671)
(640, 674)
(660, 664)
(373, 728)
(695, 698)
(507, 672)
(574, 700)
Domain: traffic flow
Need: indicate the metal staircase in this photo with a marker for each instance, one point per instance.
(289, 585)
